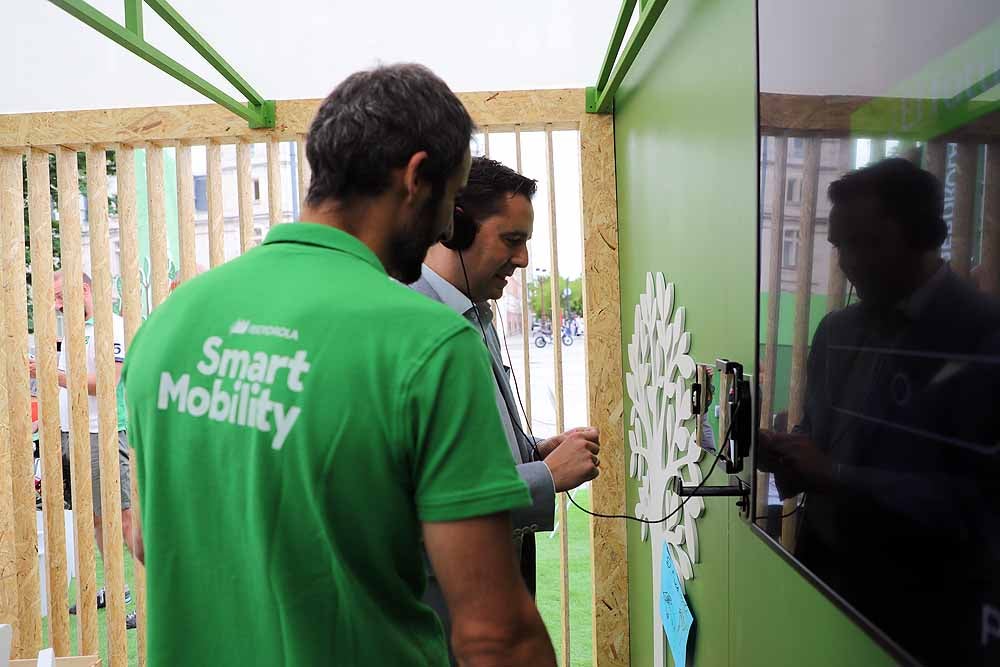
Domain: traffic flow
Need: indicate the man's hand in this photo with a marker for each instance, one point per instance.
(31, 368)
(797, 463)
(572, 457)
(546, 447)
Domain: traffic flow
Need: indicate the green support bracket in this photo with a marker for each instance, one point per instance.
(257, 111)
(601, 98)
(621, 25)
(133, 17)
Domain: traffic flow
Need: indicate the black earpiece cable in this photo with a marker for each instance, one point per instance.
(629, 517)
(475, 308)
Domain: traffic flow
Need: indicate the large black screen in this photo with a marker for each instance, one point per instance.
(878, 456)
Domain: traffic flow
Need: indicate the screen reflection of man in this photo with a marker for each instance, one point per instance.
(897, 449)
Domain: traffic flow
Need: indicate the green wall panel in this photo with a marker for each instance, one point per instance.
(686, 157)
(786, 315)
(779, 618)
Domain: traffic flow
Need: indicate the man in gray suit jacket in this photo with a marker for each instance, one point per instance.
(493, 221)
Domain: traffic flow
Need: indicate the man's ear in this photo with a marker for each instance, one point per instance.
(417, 187)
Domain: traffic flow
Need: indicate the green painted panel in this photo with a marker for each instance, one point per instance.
(142, 214)
(779, 618)
(783, 376)
(786, 315)
(687, 175)
(679, 134)
(170, 203)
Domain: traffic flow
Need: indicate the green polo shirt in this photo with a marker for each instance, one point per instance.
(296, 415)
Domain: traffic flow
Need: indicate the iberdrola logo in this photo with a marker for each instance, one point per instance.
(240, 327)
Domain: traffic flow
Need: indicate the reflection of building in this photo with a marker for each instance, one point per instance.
(230, 205)
(258, 193)
(835, 159)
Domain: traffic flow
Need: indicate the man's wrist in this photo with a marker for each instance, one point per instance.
(552, 478)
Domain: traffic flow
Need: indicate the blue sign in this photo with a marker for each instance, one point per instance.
(674, 611)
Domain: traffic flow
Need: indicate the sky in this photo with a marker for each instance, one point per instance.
(297, 49)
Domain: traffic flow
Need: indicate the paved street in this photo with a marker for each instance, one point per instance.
(543, 401)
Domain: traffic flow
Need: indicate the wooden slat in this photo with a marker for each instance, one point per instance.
(132, 315)
(274, 182)
(605, 390)
(935, 155)
(15, 400)
(185, 214)
(877, 151)
(216, 223)
(26, 621)
(525, 308)
(139, 569)
(128, 224)
(836, 290)
(244, 186)
(8, 554)
(803, 296)
(964, 192)
(159, 258)
(111, 519)
(532, 108)
(770, 369)
(774, 279)
(909, 151)
(50, 445)
(560, 405)
(990, 278)
(486, 141)
(75, 344)
(305, 172)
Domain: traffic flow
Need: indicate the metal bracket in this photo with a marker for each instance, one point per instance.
(257, 111)
(601, 98)
(739, 490)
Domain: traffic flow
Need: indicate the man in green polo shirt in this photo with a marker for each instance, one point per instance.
(302, 422)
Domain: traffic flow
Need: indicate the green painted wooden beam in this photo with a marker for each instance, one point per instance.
(133, 17)
(600, 98)
(259, 113)
(621, 25)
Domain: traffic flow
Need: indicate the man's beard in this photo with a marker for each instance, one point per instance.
(409, 248)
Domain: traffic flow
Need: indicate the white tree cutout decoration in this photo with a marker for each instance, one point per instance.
(661, 446)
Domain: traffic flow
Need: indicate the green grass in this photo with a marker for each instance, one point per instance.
(548, 593)
(102, 620)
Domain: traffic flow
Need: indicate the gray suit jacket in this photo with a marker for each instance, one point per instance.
(540, 515)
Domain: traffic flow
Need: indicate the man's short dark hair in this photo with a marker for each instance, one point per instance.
(374, 122)
(913, 197)
(490, 185)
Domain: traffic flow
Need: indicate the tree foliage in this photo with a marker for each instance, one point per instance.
(540, 296)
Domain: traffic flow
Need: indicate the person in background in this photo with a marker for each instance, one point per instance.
(129, 531)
